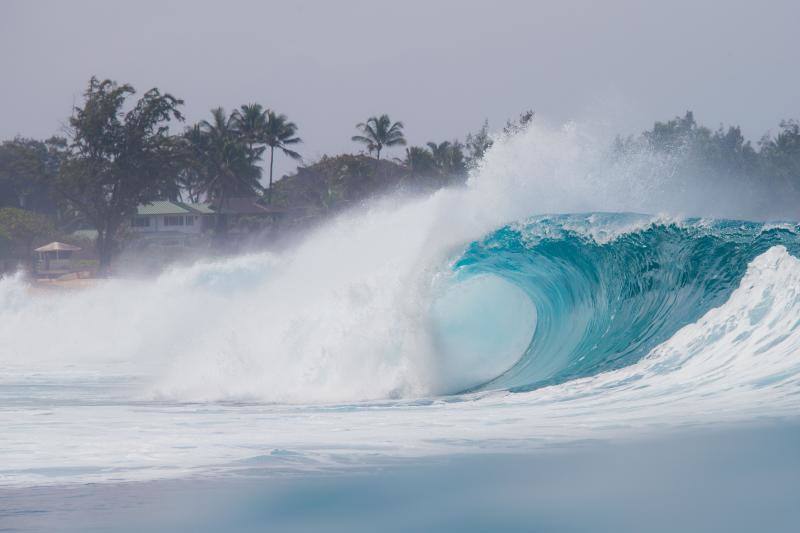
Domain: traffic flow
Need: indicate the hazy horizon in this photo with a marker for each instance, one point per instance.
(434, 66)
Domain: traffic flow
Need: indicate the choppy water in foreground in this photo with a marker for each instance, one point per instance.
(740, 480)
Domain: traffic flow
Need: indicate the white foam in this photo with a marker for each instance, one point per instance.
(739, 362)
(342, 317)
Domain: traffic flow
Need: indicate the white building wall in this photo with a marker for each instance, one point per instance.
(196, 227)
(158, 224)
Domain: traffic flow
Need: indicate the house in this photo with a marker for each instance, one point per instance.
(165, 220)
(241, 214)
(164, 217)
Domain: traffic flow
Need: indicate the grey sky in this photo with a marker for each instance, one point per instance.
(441, 67)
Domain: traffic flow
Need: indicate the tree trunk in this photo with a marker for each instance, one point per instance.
(219, 218)
(104, 248)
(271, 161)
(31, 258)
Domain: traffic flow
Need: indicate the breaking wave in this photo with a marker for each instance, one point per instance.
(428, 323)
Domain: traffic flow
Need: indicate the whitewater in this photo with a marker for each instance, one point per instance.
(532, 308)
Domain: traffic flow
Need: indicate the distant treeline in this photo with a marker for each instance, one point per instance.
(118, 152)
(723, 162)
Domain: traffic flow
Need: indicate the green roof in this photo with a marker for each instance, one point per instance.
(165, 207)
(202, 208)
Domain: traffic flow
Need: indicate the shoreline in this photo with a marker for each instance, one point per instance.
(41, 286)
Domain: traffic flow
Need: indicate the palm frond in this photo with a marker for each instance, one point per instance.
(292, 154)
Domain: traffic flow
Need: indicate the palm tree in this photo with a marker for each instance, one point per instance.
(278, 133)
(441, 154)
(419, 161)
(191, 177)
(448, 157)
(229, 167)
(379, 132)
(250, 121)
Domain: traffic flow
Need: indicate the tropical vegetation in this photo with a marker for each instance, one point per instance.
(116, 160)
(120, 150)
(380, 132)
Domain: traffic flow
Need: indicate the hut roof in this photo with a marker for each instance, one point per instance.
(57, 247)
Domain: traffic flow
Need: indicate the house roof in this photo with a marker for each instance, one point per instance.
(202, 208)
(243, 205)
(57, 247)
(165, 207)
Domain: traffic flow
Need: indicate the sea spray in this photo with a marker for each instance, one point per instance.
(383, 336)
(346, 314)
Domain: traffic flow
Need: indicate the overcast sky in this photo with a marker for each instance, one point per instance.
(441, 67)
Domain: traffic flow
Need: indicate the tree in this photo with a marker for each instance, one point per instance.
(672, 136)
(222, 160)
(118, 159)
(279, 133)
(27, 168)
(419, 161)
(250, 121)
(514, 127)
(731, 153)
(192, 175)
(380, 132)
(780, 158)
(23, 228)
(230, 167)
(477, 144)
(448, 158)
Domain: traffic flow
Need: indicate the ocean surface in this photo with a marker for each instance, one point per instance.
(457, 342)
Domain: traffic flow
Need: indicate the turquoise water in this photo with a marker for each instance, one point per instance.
(604, 305)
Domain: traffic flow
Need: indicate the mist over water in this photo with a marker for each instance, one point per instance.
(341, 316)
(594, 321)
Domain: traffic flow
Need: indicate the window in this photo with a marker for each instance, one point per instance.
(173, 220)
(140, 222)
(189, 220)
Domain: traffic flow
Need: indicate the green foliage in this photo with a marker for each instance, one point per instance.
(780, 157)
(770, 174)
(380, 132)
(420, 161)
(250, 123)
(514, 127)
(676, 134)
(279, 133)
(27, 169)
(193, 174)
(223, 154)
(724, 150)
(118, 159)
(477, 144)
(334, 183)
(443, 163)
(449, 158)
(224, 158)
(20, 229)
(23, 226)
